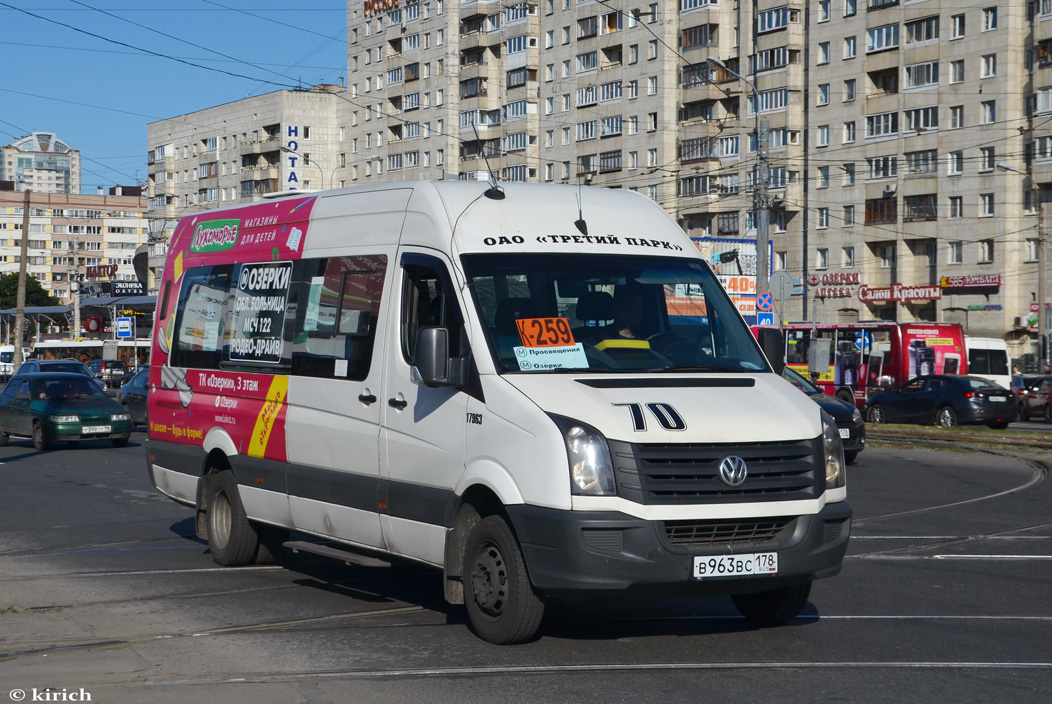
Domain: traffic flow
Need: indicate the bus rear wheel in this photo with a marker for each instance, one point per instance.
(231, 538)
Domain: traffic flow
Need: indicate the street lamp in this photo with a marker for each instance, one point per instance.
(315, 164)
(1042, 348)
(763, 179)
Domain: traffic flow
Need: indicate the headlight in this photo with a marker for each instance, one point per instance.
(833, 453)
(591, 469)
(856, 417)
(120, 416)
(64, 419)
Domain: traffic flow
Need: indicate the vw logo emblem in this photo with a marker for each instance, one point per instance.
(733, 470)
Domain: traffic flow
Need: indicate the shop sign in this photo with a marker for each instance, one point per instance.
(962, 284)
(100, 271)
(898, 292)
(833, 292)
(989, 306)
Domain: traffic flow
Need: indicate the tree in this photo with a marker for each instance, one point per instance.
(35, 293)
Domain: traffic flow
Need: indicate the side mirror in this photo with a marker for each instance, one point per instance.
(431, 361)
(773, 345)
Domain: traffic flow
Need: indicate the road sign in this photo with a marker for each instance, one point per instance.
(124, 327)
(863, 340)
(782, 285)
(765, 318)
(765, 302)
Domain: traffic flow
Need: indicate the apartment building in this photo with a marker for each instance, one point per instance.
(95, 235)
(237, 152)
(41, 162)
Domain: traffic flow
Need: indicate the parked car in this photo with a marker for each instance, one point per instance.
(848, 419)
(70, 366)
(945, 400)
(1033, 398)
(49, 407)
(133, 395)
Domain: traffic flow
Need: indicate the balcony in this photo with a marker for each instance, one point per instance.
(479, 40)
(261, 146)
(478, 8)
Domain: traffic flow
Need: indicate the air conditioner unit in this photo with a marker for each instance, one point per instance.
(889, 190)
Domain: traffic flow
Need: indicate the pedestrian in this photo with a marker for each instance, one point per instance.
(1017, 378)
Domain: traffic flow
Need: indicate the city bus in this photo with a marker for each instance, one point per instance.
(134, 353)
(860, 359)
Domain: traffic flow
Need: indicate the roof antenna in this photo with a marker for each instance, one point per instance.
(494, 191)
(580, 224)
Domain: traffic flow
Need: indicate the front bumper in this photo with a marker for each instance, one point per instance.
(572, 552)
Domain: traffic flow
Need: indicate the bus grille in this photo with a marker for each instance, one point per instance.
(703, 534)
(689, 473)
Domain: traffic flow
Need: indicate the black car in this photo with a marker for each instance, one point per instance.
(945, 400)
(848, 419)
(134, 393)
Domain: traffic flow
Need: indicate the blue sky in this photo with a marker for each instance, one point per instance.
(96, 72)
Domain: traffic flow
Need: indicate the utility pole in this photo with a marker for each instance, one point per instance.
(1042, 327)
(20, 313)
(74, 286)
(761, 199)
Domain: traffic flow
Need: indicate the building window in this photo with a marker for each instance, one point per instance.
(823, 136)
(923, 30)
(849, 132)
(955, 163)
(988, 112)
(986, 251)
(989, 19)
(849, 8)
(986, 205)
(823, 218)
(887, 256)
(954, 252)
(882, 38)
(849, 90)
(956, 26)
(882, 167)
(823, 94)
(823, 177)
(922, 162)
(986, 162)
(848, 220)
(1031, 250)
(956, 117)
(849, 47)
(920, 208)
(823, 11)
(823, 53)
(849, 175)
(822, 258)
(957, 71)
(920, 119)
(956, 207)
(880, 210)
(883, 124)
(989, 65)
(923, 74)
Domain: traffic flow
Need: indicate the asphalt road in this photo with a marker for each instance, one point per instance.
(105, 592)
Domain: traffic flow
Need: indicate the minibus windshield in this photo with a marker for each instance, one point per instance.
(608, 313)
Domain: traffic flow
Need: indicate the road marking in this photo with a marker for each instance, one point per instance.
(950, 557)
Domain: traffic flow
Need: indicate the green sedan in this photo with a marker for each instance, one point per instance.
(52, 407)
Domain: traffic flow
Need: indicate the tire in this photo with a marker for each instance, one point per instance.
(120, 442)
(500, 601)
(4, 438)
(775, 607)
(846, 396)
(1048, 414)
(39, 442)
(231, 538)
(850, 456)
(946, 417)
(876, 414)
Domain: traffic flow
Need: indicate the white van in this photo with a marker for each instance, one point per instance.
(7, 360)
(988, 357)
(541, 390)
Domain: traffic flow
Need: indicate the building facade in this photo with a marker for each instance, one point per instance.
(93, 235)
(240, 151)
(42, 163)
(909, 145)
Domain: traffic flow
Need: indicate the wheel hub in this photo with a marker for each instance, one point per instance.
(221, 518)
(489, 580)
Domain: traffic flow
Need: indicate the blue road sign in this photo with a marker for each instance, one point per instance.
(765, 302)
(863, 340)
(124, 327)
(765, 318)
